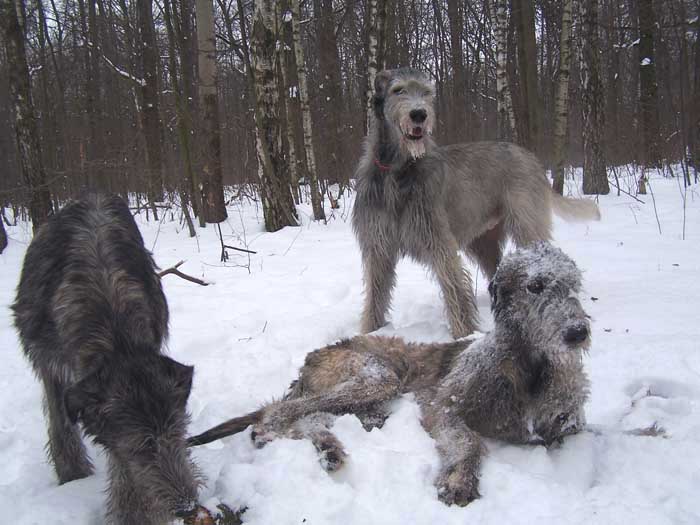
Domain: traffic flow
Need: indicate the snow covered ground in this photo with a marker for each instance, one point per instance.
(248, 334)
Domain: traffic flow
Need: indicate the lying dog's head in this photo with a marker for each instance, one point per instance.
(403, 98)
(534, 293)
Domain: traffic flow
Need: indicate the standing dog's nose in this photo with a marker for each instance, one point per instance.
(418, 115)
(576, 334)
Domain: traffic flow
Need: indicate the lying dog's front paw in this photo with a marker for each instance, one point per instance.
(457, 485)
(331, 453)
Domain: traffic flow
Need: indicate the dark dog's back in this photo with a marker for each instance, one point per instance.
(88, 284)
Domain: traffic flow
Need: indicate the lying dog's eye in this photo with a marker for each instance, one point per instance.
(535, 286)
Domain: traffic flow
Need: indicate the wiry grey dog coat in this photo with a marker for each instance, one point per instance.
(424, 201)
(523, 382)
(92, 319)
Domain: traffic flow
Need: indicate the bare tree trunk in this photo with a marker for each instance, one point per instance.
(150, 112)
(595, 179)
(695, 104)
(286, 98)
(372, 48)
(3, 236)
(648, 89)
(13, 21)
(316, 195)
(183, 126)
(457, 118)
(214, 209)
(278, 205)
(506, 118)
(561, 103)
(527, 67)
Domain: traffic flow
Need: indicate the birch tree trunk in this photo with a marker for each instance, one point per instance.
(595, 179)
(12, 18)
(213, 207)
(316, 195)
(372, 48)
(150, 111)
(506, 117)
(561, 102)
(278, 204)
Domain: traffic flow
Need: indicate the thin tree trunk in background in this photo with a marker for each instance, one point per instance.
(150, 112)
(372, 49)
(214, 209)
(278, 205)
(13, 22)
(330, 93)
(457, 118)
(506, 118)
(183, 126)
(286, 89)
(695, 104)
(523, 12)
(316, 195)
(3, 236)
(561, 103)
(648, 88)
(595, 179)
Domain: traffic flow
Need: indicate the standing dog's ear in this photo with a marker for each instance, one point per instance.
(493, 292)
(381, 81)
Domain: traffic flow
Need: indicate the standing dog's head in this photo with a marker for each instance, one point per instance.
(403, 99)
(535, 293)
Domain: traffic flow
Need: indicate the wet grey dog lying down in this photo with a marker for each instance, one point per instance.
(522, 383)
(92, 319)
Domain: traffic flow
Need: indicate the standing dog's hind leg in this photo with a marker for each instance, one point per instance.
(456, 285)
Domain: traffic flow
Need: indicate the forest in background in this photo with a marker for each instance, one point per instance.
(187, 103)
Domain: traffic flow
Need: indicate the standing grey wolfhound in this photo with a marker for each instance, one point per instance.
(523, 382)
(417, 199)
(92, 318)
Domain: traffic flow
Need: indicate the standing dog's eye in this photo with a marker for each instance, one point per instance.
(535, 286)
(398, 91)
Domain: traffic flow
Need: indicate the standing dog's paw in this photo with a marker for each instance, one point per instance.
(457, 485)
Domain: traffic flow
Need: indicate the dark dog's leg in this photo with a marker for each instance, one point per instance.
(487, 249)
(65, 445)
(380, 278)
(456, 285)
(124, 505)
(460, 450)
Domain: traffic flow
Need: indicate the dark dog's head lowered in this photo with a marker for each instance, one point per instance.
(135, 407)
(535, 291)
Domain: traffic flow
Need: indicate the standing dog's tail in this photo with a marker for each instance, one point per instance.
(571, 209)
(227, 428)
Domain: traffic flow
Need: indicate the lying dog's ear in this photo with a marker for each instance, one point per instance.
(82, 396)
(381, 81)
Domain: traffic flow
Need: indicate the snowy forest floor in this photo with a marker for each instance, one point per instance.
(247, 335)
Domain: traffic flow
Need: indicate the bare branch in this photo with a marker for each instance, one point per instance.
(174, 270)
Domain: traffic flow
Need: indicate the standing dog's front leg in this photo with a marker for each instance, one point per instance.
(460, 450)
(379, 264)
